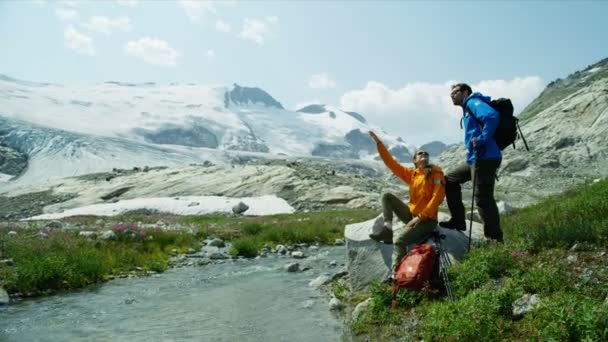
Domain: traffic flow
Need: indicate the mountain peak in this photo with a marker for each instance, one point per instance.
(246, 95)
(313, 109)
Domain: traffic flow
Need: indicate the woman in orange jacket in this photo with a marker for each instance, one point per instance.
(427, 190)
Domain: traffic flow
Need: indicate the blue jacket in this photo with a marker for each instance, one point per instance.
(478, 104)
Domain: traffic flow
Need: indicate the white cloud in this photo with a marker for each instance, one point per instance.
(153, 51)
(78, 41)
(67, 14)
(223, 26)
(272, 19)
(321, 81)
(72, 3)
(197, 9)
(422, 112)
(254, 30)
(128, 3)
(210, 54)
(107, 25)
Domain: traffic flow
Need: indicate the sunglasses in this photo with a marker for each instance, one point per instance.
(455, 92)
(422, 153)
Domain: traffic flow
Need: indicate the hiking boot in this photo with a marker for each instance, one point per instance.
(389, 280)
(451, 224)
(385, 236)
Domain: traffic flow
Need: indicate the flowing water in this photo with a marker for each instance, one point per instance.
(244, 300)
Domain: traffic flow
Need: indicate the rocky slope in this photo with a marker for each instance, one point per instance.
(567, 139)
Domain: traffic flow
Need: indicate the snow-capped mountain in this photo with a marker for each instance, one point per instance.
(67, 130)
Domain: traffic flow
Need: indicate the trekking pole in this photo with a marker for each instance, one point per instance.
(444, 263)
(473, 197)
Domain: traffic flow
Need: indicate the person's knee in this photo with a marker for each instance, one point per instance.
(451, 186)
(388, 196)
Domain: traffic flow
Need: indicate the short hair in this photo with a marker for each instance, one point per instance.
(462, 86)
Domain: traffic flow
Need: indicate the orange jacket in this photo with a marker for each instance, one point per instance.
(426, 192)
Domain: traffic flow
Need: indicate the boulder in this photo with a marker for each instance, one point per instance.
(525, 304)
(293, 267)
(368, 260)
(240, 208)
(360, 308)
(108, 235)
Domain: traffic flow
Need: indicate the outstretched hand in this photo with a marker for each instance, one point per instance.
(375, 137)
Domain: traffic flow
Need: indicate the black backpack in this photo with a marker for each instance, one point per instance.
(507, 130)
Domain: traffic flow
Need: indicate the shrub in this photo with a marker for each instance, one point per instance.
(567, 316)
(490, 261)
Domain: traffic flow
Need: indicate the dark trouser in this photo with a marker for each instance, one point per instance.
(390, 204)
(484, 194)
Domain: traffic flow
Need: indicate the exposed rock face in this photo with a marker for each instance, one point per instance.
(313, 109)
(567, 139)
(195, 136)
(334, 151)
(368, 260)
(246, 95)
(360, 141)
(434, 148)
(12, 162)
(357, 116)
(401, 153)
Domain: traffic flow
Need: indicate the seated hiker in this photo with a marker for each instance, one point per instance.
(427, 190)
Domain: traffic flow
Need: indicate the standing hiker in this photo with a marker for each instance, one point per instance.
(426, 184)
(483, 159)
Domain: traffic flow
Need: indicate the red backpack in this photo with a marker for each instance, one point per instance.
(415, 269)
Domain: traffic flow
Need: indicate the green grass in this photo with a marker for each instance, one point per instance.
(578, 215)
(65, 260)
(250, 234)
(534, 260)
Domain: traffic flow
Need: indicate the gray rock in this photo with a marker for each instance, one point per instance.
(193, 204)
(88, 234)
(4, 298)
(12, 233)
(360, 308)
(7, 262)
(339, 242)
(218, 256)
(240, 208)
(525, 304)
(298, 255)
(368, 260)
(203, 262)
(336, 304)
(108, 235)
(293, 267)
(333, 263)
(320, 280)
(504, 208)
(572, 258)
(577, 247)
(216, 243)
(190, 251)
(281, 250)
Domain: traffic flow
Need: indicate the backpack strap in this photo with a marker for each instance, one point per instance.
(468, 111)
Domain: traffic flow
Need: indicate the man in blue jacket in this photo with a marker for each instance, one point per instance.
(483, 159)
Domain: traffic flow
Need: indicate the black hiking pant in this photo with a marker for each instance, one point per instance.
(485, 171)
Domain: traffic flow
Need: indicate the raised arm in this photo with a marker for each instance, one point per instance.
(399, 170)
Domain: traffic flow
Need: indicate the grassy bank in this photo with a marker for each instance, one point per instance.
(537, 258)
(61, 259)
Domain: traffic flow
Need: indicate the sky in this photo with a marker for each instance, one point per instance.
(391, 61)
